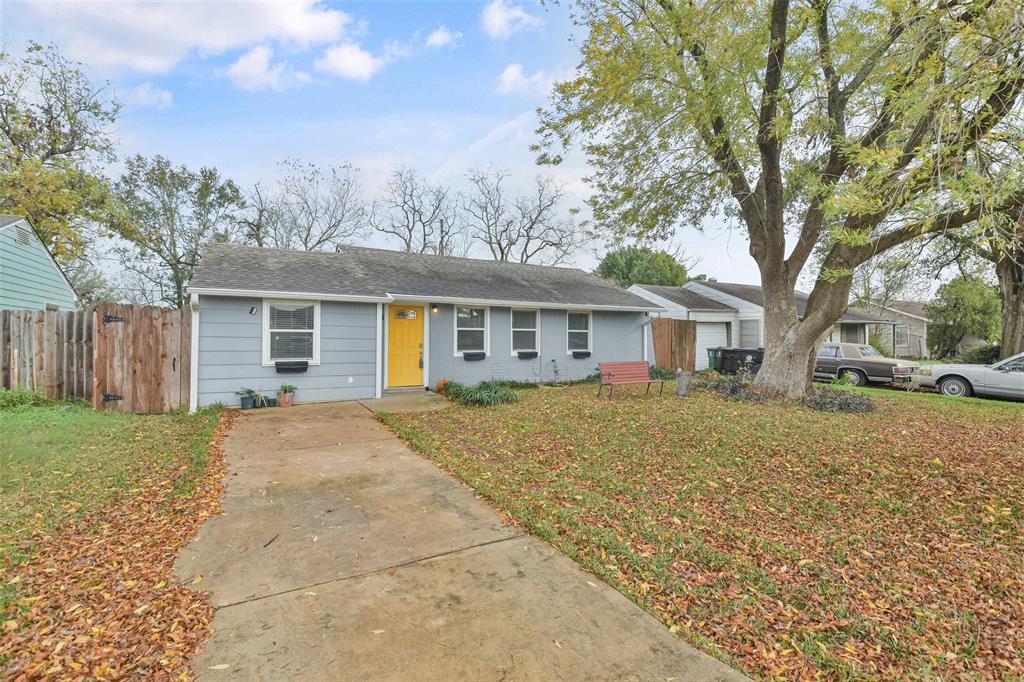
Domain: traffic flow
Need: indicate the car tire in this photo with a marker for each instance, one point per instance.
(854, 377)
(956, 387)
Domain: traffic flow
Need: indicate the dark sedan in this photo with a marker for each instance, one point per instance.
(861, 364)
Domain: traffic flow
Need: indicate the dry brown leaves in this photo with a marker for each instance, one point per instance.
(793, 544)
(100, 599)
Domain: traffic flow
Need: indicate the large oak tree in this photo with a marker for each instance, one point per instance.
(837, 130)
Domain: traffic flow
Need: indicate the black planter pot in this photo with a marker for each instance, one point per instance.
(581, 354)
(474, 356)
(527, 354)
(246, 402)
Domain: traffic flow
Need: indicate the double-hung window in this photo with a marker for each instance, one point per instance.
(578, 330)
(291, 331)
(470, 330)
(902, 335)
(524, 331)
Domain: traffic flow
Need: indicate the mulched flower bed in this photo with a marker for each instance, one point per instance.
(100, 600)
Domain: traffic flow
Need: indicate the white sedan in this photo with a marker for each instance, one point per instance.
(1004, 379)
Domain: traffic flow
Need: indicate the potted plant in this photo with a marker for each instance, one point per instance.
(286, 395)
(260, 400)
(247, 398)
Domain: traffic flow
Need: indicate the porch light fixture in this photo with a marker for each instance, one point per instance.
(252, 310)
(433, 307)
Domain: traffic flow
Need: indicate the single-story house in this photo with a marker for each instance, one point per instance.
(30, 279)
(909, 329)
(359, 321)
(733, 314)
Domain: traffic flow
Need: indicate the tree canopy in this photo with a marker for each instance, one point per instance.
(629, 265)
(963, 308)
(55, 134)
(173, 212)
(837, 130)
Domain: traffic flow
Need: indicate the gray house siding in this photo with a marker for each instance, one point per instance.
(230, 353)
(615, 336)
(29, 279)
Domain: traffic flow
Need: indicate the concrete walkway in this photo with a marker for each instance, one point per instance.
(342, 555)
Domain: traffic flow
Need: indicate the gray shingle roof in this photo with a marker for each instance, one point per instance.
(753, 294)
(358, 271)
(8, 219)
(686, 298)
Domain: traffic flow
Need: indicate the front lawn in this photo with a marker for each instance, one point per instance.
(93, 508)
(787, 542)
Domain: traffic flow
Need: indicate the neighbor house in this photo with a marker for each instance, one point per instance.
(351, 324)
(30, 278)
(909, 329)
(733, 314)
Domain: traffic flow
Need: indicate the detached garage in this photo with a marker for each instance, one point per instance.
(714, 320)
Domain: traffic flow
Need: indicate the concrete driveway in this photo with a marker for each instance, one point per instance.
(342, 555)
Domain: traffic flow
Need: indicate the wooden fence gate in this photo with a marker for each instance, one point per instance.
(675, 343)
(120, 357)
(142, 358)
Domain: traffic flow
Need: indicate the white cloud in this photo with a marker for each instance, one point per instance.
(153, 38)
(350, 61)
(254, 70)
(147, 95)
(442, 37)
(513, 80)
(501, 20)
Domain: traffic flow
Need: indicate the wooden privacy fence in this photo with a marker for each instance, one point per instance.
(120, 357)
(675, 343)
(48, 351)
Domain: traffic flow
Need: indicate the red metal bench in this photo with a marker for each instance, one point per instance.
(617, 373)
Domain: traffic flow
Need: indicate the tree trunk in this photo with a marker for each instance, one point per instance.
(1010, 272)
(791, 344)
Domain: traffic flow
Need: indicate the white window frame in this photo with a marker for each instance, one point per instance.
(267, 302)
(513, 329)
(904, 329)
(590, 331)
(455, 329)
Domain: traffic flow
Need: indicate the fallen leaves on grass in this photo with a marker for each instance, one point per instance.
(100, 600)
(790, 543)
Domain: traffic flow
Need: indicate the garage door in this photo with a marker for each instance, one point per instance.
(709, 335)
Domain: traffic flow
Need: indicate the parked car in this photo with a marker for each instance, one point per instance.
(861, 364)
(1003, 379)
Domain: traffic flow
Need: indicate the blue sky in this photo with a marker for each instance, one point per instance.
(438, 86)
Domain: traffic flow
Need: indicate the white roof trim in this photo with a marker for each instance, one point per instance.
(296, 295)
(391, 298)
(523, 304)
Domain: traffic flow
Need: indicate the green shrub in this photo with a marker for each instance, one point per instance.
(484, 393)
(662, 373)
(19, 395)
(515, 384)
(980, 355)
(832, 400)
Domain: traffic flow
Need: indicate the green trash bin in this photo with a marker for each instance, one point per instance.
(713, 354)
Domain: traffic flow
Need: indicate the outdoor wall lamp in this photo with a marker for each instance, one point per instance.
(252, 310)
(433, 307)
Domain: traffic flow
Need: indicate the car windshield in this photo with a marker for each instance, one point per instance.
(869, 352)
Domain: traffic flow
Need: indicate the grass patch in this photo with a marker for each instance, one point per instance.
(787, 541)
(61, 461)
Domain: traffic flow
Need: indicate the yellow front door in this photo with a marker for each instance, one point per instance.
(405, 345)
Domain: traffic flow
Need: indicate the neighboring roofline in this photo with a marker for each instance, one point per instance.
(78, 299)
(727, 310)
(391, 298)
(903, 312)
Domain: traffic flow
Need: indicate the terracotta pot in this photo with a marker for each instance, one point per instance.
(285, 399)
